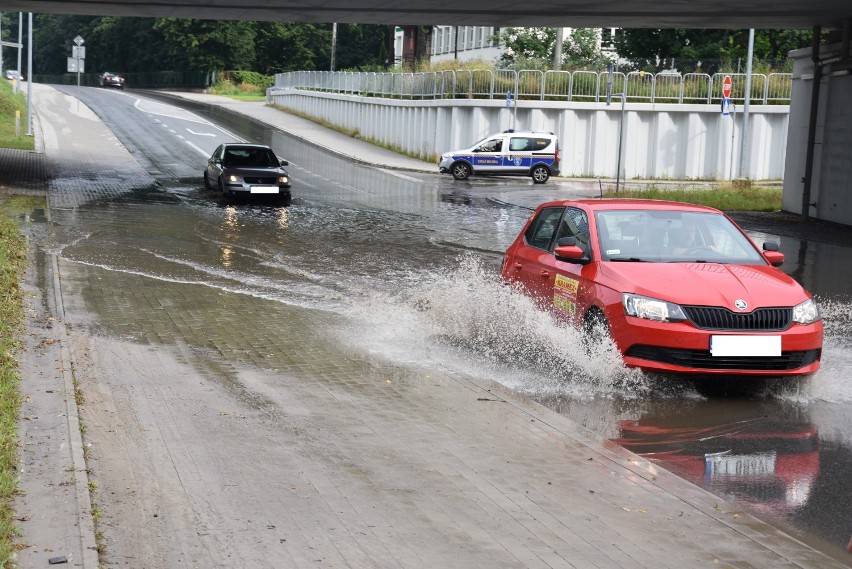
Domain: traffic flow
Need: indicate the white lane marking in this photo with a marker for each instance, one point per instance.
(190, 131)
(200, 151)
(398, 175)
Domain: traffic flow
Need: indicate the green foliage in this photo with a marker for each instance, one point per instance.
(9, 104)
(753, 198)
(148, 45)
(652, 50)
(12, 265)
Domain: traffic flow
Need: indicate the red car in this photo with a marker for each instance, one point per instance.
(680, 288)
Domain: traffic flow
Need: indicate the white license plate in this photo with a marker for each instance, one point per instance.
(744, 465)
(264, 189)
(745, 346)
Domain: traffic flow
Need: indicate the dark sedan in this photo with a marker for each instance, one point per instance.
(108, 79)
(247, 169)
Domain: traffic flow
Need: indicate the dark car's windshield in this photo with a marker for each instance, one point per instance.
(250, 157)
(673, 236)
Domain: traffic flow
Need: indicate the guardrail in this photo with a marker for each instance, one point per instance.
(531, 84)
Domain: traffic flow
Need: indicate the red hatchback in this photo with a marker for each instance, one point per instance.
(679, 288)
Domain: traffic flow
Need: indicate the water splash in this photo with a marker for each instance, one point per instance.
(470, 322)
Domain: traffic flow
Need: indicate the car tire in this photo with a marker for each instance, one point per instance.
(540, 174)
(595, 330)
(221, 186)
(207, 185)
(460, 170)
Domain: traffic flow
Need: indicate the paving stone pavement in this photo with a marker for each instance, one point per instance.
(259, 449)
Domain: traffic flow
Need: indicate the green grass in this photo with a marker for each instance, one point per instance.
(13, 256)
(754, 198)
(9, 104)
(240, 92)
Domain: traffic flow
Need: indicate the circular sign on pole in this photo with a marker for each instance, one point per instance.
(726, 87)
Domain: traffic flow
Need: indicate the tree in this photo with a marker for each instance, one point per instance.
(210, 45)
(582, 50)
(529, 47)
(657, 49)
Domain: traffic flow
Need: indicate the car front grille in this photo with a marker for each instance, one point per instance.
(762, 319)
(268, 180)
(701, 359)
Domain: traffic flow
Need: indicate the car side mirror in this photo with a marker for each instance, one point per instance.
(568, 251)
(772, 254)
(284, 163)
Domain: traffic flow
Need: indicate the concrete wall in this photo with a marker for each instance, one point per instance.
(831, 186)
(662, 141)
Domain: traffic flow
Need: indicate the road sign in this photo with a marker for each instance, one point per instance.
(79, 41)
(726, 87)
(78, 51)
(76, 65)
(726, 106)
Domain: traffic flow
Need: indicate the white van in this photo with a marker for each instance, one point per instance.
(517, 153)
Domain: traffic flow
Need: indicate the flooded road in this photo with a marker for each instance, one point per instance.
(401, 268)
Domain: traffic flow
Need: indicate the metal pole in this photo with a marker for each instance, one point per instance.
(20, 43)
(620, 142)
(744, 138)
(557, 49)
(333, 43)
(30, 76)
(812, 126)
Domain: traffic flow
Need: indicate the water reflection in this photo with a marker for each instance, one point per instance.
(745, 454)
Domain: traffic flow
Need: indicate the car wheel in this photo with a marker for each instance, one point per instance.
(540, 174)
(461, 171)
(595, 330)
(207, 182)
(221, 186)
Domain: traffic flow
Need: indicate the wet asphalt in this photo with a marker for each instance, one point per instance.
(359, 342)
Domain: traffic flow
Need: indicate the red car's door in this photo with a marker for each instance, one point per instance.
(530, 264)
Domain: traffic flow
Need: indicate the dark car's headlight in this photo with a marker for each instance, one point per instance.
(651, 308)
(233, 178)
(283, 180)
(806, 312)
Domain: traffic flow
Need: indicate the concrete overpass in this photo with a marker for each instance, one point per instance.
(818, 174)
(720, 14)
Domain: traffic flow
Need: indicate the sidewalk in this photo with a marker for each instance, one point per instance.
(453, 471)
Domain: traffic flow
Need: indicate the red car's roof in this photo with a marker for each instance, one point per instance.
(626, 203)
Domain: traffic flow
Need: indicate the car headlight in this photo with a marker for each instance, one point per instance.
(233, 178)
(282, 179)
(652, 309)
(806, 312)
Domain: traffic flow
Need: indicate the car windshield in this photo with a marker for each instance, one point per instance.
(673, 236)
(251, 157)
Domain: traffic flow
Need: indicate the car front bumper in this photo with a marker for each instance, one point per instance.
(682, 348)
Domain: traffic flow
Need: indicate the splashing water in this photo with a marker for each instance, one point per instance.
(466, 318)
(830, 384)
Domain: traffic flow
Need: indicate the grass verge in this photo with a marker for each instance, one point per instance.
(10, 103)
(754, 198)
(13, 257)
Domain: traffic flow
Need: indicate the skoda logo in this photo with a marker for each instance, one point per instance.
(740, 304)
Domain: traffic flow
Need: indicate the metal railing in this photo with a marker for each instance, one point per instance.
(530, 84)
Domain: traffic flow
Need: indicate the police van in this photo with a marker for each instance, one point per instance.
(518, 153)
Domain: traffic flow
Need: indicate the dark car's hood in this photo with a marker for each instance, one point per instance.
(256, 171)
(706, 284)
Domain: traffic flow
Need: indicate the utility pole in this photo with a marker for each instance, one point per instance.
(744, 138)
(557, 49)
(333, 43)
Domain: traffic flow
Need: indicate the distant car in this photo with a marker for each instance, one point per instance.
(12, 74)
(247, 169)
(108, 79)
(509, 153)
(679, 288)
